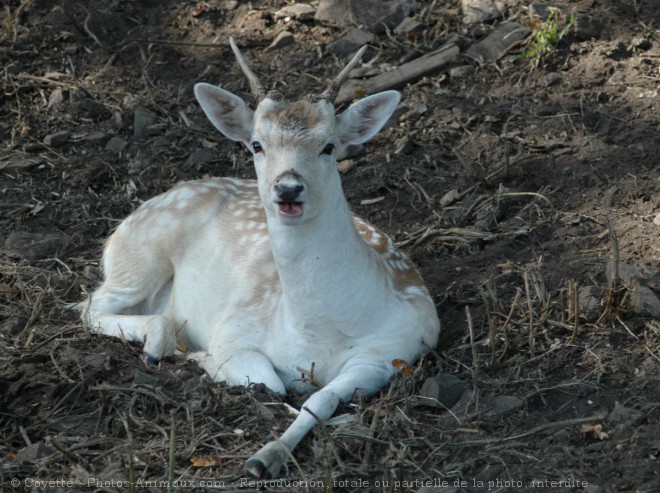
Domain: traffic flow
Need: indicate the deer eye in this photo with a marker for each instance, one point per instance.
(328, 149)
(256, 147)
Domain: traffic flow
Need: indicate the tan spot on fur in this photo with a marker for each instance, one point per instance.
(402, 271)
(299, 115)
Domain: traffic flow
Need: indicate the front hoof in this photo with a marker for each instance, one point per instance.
(257, 469)
(266, 463)
(150, 360)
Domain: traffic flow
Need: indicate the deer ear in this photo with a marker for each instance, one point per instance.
(228, 113)
(364, 118)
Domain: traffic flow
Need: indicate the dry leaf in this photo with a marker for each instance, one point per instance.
(402, 367)
(198, 461)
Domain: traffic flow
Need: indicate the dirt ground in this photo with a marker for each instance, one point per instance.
(498, 179)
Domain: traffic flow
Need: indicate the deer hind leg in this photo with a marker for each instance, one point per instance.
(366, 378)
(131, 302)
(242, 367)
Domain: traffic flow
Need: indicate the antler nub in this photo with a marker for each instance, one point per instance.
(256, 87)
(330, 94)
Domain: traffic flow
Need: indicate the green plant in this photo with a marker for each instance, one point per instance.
(547, 38)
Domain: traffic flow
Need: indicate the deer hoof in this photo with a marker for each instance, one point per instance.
(266, 463)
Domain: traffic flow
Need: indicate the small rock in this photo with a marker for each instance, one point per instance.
(641, 43)
(228, 5)
(376, 15)
(450, 197)
(96, 138)
(12, 326)
(57, 139)
(498, 43)
(138, 164)
(19, 164)
(409, 26)
(403, 146)
(586, 28)
(461, 71)
(33, 245)
(143, 121)
(55, 100)
(94, 109)
(552, 78)
(34, 452)
(283, 39)
(142, 378)
(589, 301)
(623, 415)
(656, 219)
(540, 10)
(642, 300)
(476, 11)
(298, 11)
(503, 405)
(351, 42)
(200, 156)
(116, 145)
(414, 115)
(442, 391)
(96, 361)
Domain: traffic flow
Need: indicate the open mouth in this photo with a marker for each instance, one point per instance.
(291, 209)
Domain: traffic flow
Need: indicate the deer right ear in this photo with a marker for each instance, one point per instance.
(228, 113)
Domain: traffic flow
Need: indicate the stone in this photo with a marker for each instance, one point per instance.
(409, 26)
(476, 11)
(298, 11)
(33, 245)
(57, 139)
(56, 99)
(350, 42)
(590, 300)
(656, 219)
(283, 39)
(376, 16)
(443, 391)
(116, 145)
(461, 71)
(94, 109)
(503, 405)
(498, 43)
(642, 300)
(200, 156)
(19, 164)
(34, 452)
(96, 138)
(143, 123)
(623, 415)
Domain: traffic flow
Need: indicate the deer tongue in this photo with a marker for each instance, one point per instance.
(291, 209)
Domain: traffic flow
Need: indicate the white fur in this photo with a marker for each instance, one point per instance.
(254, 305)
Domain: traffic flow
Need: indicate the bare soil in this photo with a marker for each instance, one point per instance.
(498, 182)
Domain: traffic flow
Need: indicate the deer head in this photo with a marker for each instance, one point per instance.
(295, 144)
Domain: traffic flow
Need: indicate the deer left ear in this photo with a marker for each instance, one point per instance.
(227, 112)
(364, 118)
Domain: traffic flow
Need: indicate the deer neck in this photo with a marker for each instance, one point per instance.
(324, 266)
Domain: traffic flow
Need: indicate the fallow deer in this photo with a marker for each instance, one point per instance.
(260, 279)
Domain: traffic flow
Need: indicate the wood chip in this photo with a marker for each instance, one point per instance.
(404, 74)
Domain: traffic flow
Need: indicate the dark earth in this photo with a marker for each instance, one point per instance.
(499, 178)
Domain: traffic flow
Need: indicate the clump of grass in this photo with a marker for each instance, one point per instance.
(548, 35)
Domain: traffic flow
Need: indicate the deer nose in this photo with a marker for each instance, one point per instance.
(288, 186)
(287, 192)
